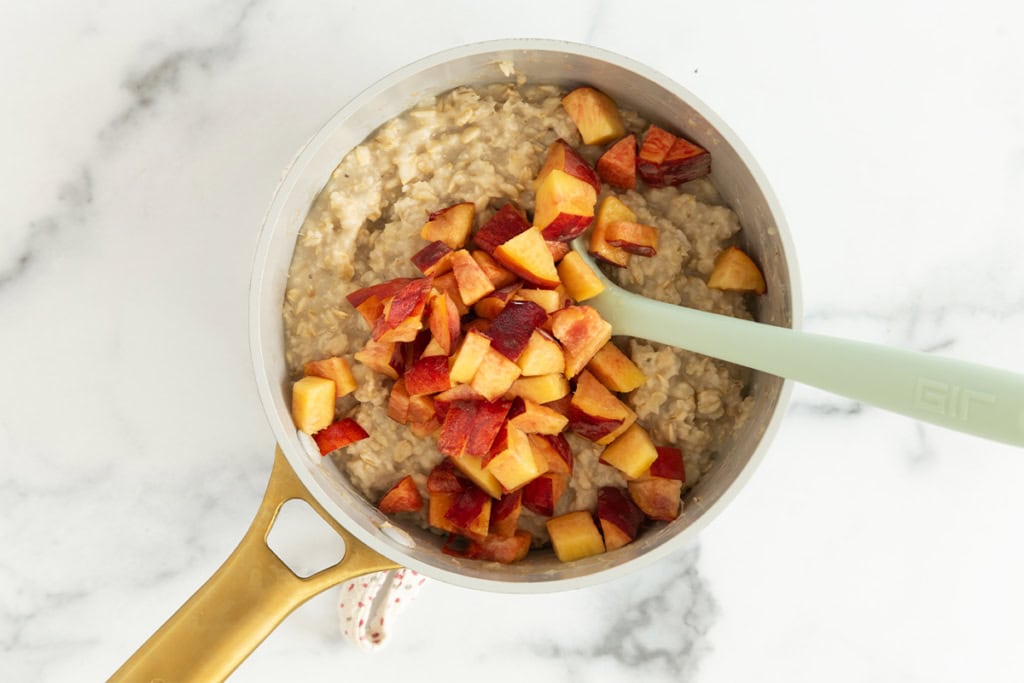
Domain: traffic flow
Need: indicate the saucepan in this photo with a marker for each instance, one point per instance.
(254, 590)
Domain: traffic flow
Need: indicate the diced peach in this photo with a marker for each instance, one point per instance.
(313, 403)
(498, 548)
(596, 414)
(402, 318)
(658, 498)
(636, 238)
(541, 495)
(470, 513)
(427, 428)
(398, 402)
(338, 435)
(550, 300)
(736, 271)
(470, 427)
(527, 256)
(595, 114)
(511, 329)
(494, 303)
(433, 259)
(581, 282)
(505, 514)
(655, 147)
(564, 206)
(371, 310)
(439, 505)
(620, 518)
(615, 369)
(473, 281)
(499, 277)
(495, 375)
(443, 320)
(541, 356)
(611, 210)
(444, 478)
(516, 465)
(450, 286)
(540, 389)
(470, 355)
(632, 453)
(538, 419)
(335, 369)
(402, 497)
(428, 376)
(451, 225)
(666, 159)
(617, 166)
(575, 536)
(685, 162)
(562, 157)
(421, 409)
(380, 291)
(385, 358)
(555, 450)
(582, 332)
(505, 224)
(472, 467)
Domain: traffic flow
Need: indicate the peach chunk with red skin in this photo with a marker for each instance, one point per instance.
(402, 497)
(617, 166)
(512, 328)
(338, 435)
(595, 413)
(472, 280)
(428, 376)
(469, 356)
(534, 418)
(658, 498)
(562, 157)
(470, 427)
(505, 224)
(499, 276)
(582, 332)
(665, 159)
(450, 225)
(516, 464)
(612, 209)
(541, 356)
(620, 518)
(498, 548)
(636, 238)
(669, 464)
(433, 259)
(541, 495)
(402, 318)
(505, 514)
(444, 321)
(495, 375)
(564, 206)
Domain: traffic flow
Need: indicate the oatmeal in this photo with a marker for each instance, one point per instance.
(485, 147)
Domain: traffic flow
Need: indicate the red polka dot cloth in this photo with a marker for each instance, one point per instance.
(369, 605)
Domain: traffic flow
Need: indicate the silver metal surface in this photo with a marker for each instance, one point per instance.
(633, 86)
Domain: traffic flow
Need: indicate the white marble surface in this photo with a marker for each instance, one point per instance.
(141, 144)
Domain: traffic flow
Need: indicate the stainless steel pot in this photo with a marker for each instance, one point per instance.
(253, 591)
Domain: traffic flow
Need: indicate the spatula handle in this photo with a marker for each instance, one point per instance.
(966, 397)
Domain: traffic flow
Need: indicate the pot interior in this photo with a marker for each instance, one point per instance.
(632, 86)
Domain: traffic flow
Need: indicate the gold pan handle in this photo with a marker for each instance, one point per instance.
(247, 597)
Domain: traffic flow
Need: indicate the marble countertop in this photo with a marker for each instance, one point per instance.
(141, 146)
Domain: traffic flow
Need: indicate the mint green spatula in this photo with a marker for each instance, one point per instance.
(969, 398)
